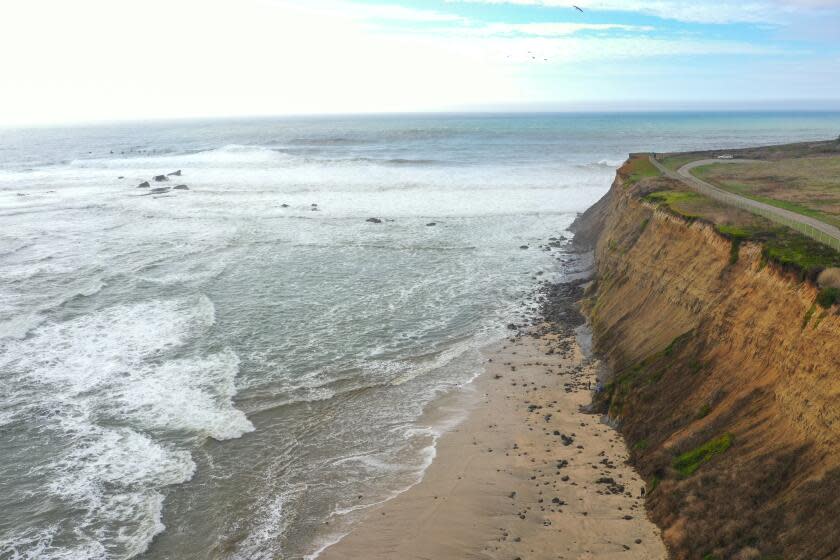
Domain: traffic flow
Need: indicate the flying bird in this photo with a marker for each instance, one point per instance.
(578, 8)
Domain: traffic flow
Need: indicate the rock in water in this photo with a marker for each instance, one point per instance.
(430, 224)
(181, 188)
(374, 220)
(284, 205)
(159, 190)
(160, 178)
(143, 185)
(176, 173)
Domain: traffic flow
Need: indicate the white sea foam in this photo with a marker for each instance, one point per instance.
(276, 515)
(111, 366)
(427, 457)
(177, 273)
(78, 355)
(37, 544)
(114, 475)
(192, 394)
(324, 543)
(232, 155)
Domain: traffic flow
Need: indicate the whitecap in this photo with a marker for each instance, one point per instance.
(231, 155)
(193, 394)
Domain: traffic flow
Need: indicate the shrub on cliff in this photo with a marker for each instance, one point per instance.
(688, 463)
(828, 297)
(829, 278)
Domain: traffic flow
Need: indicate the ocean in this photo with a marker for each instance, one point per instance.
(241, 368)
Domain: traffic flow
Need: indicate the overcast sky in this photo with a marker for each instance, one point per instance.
(83, 60)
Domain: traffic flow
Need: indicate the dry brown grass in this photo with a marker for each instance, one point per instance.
(809, 186)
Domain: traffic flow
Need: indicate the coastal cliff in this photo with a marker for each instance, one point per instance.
(725, 380)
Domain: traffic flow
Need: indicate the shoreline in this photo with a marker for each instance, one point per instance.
(526, 474)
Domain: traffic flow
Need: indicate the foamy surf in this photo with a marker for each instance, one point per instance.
(107, 388)
(442, 418)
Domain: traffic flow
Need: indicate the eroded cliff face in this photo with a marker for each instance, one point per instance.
(726, 384)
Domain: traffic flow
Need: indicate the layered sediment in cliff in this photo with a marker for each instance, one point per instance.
(726, 383)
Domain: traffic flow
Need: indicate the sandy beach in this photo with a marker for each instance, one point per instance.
(527, 475)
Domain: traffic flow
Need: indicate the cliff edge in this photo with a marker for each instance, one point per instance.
(725, 380)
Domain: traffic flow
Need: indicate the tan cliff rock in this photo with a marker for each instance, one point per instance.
(703, 350)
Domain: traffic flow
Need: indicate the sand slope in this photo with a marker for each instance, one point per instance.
(519, 478)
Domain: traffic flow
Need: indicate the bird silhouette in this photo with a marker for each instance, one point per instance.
(578, 8)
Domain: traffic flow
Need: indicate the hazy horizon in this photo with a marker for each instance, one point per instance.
(677, 109)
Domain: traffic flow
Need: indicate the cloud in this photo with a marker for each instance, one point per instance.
(694, 11)
(401, 13)
(377, 12)
(551, 29)
(598, 49)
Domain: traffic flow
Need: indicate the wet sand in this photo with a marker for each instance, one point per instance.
(526, 475)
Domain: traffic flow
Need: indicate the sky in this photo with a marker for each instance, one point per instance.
(99, 60)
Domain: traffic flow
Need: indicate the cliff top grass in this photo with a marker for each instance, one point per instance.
(781, 245)
(675, 160)
(808, 185)
(638, 168)
(803, 177)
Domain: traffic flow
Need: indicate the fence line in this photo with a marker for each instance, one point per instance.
(744, 204)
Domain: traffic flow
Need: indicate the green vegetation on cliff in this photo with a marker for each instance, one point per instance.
(637, 169)
(688, 463)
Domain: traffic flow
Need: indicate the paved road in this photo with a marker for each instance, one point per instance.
(820, 231)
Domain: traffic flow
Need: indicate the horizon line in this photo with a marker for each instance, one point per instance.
(678, 107)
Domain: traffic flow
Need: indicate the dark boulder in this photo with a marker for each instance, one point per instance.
(159, 190)
(160, 178)
(181, 188)
(430, 224)
(374, 220)
(284, 205)
(175, 173)
(143, 185)
(120, 177)
(523, 246)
